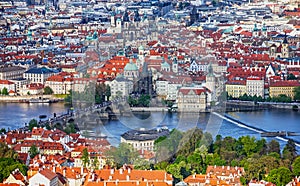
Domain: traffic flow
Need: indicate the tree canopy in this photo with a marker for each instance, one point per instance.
(9, 162)
(33, 151)
(123, 154)
(85, 157)
(48, 90)
(32, 123)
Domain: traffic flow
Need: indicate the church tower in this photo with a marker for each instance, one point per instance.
(175, 65)
(194, 15)
(264, 31)
(255, 31)
(112, 20)
(211, 80)
(285, 48)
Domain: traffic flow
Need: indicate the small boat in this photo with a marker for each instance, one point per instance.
(292, 134)
(274, 134)
(42, 116)
(39, 100)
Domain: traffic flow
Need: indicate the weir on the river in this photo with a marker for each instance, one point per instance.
(258, 130)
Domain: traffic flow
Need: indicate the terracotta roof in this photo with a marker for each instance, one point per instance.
(197, 91)
(6, 82)
(48, 174)
(284, 83)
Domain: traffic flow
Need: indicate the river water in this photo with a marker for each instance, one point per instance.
(14, 115)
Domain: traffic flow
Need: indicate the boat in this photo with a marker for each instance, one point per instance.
(273, 134)
(39, 100)
(292, 134)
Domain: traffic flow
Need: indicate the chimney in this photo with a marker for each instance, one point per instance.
(112, 171)
(228, 167)
(127, 178)
(121, 171)
(194, 175)
(110, 177)
(223, 167)
(54, 169)
(93, 176)
(137, 183)
(64, 172)
(129, 170)
(81, 170)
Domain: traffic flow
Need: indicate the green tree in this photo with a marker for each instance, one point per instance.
(96, 163)
(273, 146)
(85, 157)
(132, 102)
(291, 76)
(296, 166)
(70, 128)
(48, 90)
(3, 130)
(289, 151)
(107, 92)
(144, 100)
(33, 151)
(28, 93)
(68, 98)
(280, 176)
(190, 141)
(123, 154)
(6, 152)
(297, 93)
(142, 164)
(32, 123)
(7, 165)
(4, 91)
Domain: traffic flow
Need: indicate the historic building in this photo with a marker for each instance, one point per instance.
(277, 88)
(192, 99)
(11, 72)
(255, 86)
(235, 88)
(143, 139)
(120, 86)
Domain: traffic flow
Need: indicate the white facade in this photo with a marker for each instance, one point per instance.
(39, 179)
(255, 86)
(167, 89)
(8, 85)
(120, 87)
(59, 87)
(191, 99)
(140, 145)
(37, 77)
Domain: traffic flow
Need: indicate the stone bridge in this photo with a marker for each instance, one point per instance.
(89, 117)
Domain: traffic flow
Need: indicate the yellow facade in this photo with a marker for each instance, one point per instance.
(286, 90)
(235, 90)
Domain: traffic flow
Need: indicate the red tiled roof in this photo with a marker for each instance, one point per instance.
(197, 91)
(6, 82)
(48, 174)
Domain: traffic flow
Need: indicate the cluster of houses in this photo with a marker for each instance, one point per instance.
(159, 52)
(59, 161)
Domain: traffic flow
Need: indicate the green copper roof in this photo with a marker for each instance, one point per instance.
(130, 67)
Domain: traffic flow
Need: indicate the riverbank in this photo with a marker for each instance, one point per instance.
(27, 98)
(149, 109)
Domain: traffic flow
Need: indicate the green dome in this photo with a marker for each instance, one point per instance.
(130, 67)
(29, 33)
(165, 65)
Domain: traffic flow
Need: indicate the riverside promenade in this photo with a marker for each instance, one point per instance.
(27, 98)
